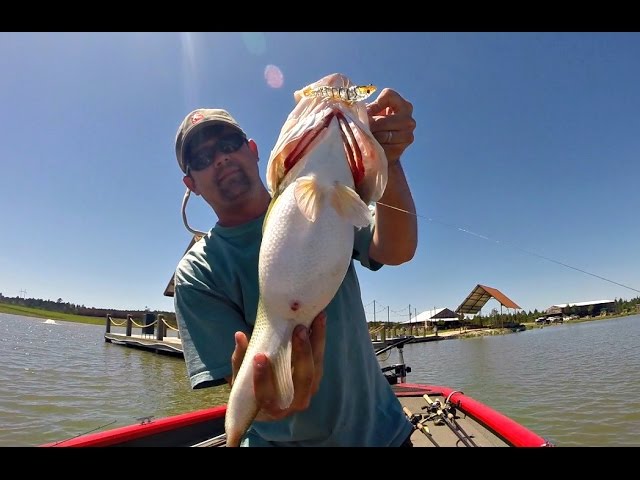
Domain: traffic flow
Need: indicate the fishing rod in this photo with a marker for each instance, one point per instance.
(452, 409)
(459, 427)
(417, 422)
(438, 408)
(217, 441)
(512, 246)
(396, 344)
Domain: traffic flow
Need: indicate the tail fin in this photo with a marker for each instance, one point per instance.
(273, 338)
(241, 407)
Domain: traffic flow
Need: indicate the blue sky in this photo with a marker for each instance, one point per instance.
(526, 157)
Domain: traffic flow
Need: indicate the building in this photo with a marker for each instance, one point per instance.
(592, 308)
(480, 295)
(433, 316)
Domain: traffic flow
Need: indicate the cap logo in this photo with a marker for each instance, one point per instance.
(196, 118)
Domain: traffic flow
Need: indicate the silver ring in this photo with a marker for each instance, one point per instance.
(389, 135)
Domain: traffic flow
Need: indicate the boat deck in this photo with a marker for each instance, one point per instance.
(458, 430)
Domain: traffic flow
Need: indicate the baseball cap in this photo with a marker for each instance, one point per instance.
(196, 120)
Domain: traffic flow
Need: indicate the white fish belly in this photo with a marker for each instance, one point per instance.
(302, 263)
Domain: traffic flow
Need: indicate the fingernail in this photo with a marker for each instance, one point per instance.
(302, 333)
(259, 360)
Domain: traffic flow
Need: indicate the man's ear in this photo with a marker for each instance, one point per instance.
(190, 184)
(253, 146)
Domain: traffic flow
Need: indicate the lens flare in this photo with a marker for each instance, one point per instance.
(274, 77)
(255, 42)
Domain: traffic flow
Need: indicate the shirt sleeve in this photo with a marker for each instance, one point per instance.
(361, 245)
(207, 321)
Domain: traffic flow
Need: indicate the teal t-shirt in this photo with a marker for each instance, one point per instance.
(216, 295)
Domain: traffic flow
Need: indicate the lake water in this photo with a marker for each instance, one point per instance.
(573, 384)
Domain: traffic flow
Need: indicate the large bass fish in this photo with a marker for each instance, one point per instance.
(324, 171)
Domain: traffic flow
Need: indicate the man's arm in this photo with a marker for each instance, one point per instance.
(396, 234)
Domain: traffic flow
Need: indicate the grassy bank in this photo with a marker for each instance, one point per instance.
(39, 313)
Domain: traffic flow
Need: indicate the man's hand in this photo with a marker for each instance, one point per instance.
(391, 122)
(307, 357)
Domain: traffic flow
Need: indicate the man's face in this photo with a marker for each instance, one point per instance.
(222, 167)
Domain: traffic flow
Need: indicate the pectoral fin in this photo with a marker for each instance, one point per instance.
(308, 195)
(349, 205)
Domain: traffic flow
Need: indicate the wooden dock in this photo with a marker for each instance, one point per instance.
(169, 345)
(430, 338)
(156, 335)
(383, 335)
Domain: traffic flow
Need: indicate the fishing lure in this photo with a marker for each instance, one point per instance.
(349, 95)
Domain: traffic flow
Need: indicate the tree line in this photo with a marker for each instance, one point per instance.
(621, 307)
(71, 308)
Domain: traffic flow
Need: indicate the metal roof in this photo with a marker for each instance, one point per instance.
(445, 314)
(480, 295)
(582, 304)
(433, 315)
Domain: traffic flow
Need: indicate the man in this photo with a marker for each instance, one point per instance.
(341, 397)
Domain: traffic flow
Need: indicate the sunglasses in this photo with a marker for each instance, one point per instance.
(205, 156)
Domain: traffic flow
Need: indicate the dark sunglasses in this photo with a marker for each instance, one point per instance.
(205, 157)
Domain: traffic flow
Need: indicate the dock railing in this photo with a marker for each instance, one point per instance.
(383, 332)
(153, 325)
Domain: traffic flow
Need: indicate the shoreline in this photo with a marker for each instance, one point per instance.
(457, 334)
(21, 311)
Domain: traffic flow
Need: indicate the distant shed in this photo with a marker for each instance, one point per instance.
(433, 316)
(479, 296)
(592, 308)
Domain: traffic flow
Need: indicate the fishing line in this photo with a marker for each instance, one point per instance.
(512, 246)
(84, 433)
